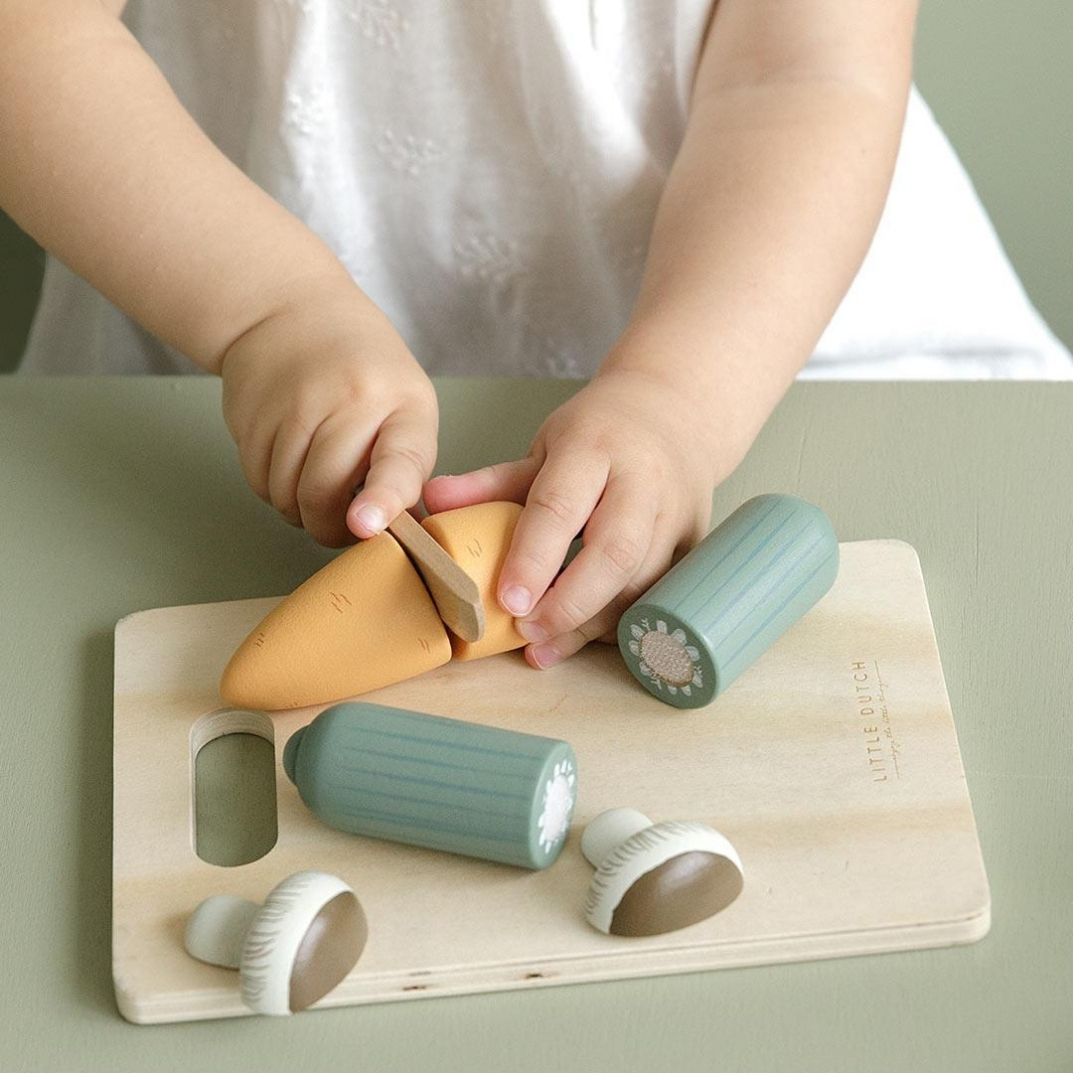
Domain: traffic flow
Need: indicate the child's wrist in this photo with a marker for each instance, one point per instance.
(310, 306)
(718, 414)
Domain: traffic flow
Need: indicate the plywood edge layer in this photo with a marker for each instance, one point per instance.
(358, 990)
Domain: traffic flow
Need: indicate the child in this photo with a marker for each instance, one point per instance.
(670, 196)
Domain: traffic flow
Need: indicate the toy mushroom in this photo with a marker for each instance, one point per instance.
(291, 950)
(651, 879)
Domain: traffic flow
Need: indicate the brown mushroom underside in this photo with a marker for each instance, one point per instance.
(680, 892)
(329, 950)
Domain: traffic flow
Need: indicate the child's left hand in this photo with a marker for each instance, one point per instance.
(633, 460)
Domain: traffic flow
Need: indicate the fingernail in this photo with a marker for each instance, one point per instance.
(517, 600)
(373, 518)
(546, 655)
(532, 632)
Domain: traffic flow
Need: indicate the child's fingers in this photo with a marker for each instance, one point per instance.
(287, 456)
(604, 623)
(402, 457)
(618, 538)
(334, 463)
(562, 497)
(256, 452)
(508, 481)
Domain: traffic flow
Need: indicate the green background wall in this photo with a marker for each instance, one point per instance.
(998, 75)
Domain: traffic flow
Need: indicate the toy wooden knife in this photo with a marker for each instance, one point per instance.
(455, 593)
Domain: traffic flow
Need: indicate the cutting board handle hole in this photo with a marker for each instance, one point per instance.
(233, 787)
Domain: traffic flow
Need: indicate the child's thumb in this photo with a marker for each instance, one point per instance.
(402, 458)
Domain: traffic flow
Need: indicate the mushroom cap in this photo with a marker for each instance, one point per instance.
(664, 878)
(304, 940)
(328, 951)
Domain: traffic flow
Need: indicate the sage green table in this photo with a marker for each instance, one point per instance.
(118, 495)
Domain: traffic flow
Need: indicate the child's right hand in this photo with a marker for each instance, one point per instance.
(322, 396)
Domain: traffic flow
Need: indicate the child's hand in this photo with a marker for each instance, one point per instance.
(628, 459)
(324, 396)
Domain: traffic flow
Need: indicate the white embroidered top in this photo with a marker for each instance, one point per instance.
(488, 171)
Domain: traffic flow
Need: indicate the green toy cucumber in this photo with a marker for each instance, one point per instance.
(719, 608)
(436, 782)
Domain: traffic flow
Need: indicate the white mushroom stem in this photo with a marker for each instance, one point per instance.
(217, 928)
(608, 830)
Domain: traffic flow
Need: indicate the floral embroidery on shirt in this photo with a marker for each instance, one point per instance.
(488, 258)
(306, 109)
(555, 358)
(406, 153)
(379, 20)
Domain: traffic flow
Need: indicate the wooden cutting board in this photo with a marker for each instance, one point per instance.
(832, 765)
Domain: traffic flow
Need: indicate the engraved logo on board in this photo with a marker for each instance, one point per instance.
(880, 742)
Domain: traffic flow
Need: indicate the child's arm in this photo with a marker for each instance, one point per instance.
(103, 166)
(767, 214)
